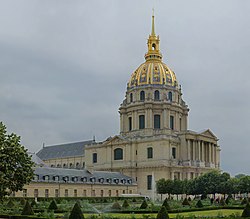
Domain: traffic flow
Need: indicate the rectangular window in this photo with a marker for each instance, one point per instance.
(141, 122)
(109, 193)
(150, 152)
(180, 124)
(174, 153)
(36, 193)
(117, 193)
(171, 122)
(93, 193)
(149, 182)
(24, 192)
(129, 123)
(75, 192)
(84, 193)
(46, 193)
(102, 193)
(157, 121)
(94, 157)
(56, 193)
(66, 193)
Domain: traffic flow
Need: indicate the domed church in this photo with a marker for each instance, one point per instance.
(154, 140)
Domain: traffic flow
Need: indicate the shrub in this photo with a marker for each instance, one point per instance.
(199, 204)
(33, 203)
(222, 202)
(227, 200)
(185, 202)
(189, 199)
(27, 210)
(144, 204)
(116, 206)
(162, 214)
(22, 201)
(166, 205)
(53, 205)
(246, 211)
(10, 204)
(125, 204)
(244, 201)
(76, 212)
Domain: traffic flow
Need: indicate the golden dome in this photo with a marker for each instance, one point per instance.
(153, 71)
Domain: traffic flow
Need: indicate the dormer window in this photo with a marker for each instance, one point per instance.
(84, 179)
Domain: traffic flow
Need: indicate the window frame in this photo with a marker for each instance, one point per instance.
(118, 154)
(157, 121)
(141, 121)
(150, 152)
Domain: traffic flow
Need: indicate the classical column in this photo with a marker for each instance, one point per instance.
(135, 120)
(199, 150)
(146, 118)
(188, 149)
(150, 114)
(194, 151)
(168, 118)
(202, 151)
(165, 118)
(209, 152)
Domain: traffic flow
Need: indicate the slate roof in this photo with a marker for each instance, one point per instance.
(36, 159)
(48, 174)
(63, 150)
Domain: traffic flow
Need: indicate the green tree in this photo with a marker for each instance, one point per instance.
(15, 164)
(246, 211)
(53, 205)
(161, 187)
(162, 214)
(27, 210)
(76, 212)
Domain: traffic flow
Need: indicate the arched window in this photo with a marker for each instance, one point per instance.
(150, 152)
(118, 154)
(131, 97)
(157, 121)
(157, 95)
(170, 96)
(142, 95)
(141, 122)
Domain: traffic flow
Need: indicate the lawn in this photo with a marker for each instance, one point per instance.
(210, 213)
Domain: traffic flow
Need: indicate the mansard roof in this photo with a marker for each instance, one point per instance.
(75, 149)
(48, 174)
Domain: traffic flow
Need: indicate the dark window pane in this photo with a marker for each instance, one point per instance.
(172, 122)
(118, 154)
(141, 122)
(170, 96)
(142, 95)
(174, 153)
(129, 123)
(157, 95)
(150, 152)
(157, 121)
(149, 182)
(94, 157)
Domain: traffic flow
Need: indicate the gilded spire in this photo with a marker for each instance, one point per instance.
(153, 44)
(153, 24)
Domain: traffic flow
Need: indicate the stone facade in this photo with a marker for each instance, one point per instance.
(154, 140)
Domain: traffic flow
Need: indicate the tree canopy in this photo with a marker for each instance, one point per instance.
(209, 183)
(16, 166)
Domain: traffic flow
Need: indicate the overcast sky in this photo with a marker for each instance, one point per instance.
(64, 66)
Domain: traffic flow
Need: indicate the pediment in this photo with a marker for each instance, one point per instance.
(114, 140)
(208, 133)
